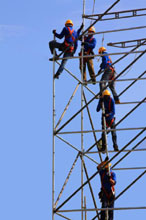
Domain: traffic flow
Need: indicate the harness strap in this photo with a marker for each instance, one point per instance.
(108, 195)
(71, 47)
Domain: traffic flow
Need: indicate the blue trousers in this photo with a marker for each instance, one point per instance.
(53, 45)
(106, 204)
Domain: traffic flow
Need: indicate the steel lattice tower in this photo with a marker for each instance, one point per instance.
(80, 132)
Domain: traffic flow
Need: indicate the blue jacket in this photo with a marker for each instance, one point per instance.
(106, 61)
(90, 43)
(109, 106)
(65, 33)
(105, 179)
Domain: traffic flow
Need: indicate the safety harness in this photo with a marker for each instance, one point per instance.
(109, 124)
(71, 47)
(110, 194)
(88, 51)
(111, 68)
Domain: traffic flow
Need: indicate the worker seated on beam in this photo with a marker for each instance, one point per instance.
(107, 193)
(109, 73)
(109, 106)
(69, 45)
(89, 44)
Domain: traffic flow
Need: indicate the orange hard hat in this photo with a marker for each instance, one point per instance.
(101, 49)
(69, 22)
(106, 92)
(92, 29)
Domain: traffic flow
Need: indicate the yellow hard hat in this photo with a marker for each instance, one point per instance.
(91, 29)
(106, 92)
(69, 22)
(101, 49)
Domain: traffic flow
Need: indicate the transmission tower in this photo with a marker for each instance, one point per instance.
(76, 133)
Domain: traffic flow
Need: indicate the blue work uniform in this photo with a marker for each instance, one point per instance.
(109, 106)
(109, 74)
(69, 45)
(107, 192)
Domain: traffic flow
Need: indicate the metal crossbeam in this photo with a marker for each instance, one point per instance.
(122, 44)
(118, 14)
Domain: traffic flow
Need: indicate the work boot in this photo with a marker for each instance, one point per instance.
(94, 81)
(116, 148)
(56, 76)
(117, 101)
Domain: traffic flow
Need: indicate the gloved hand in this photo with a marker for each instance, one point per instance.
(81, 27)
(54, 31)
(84, 43)
(104, 115)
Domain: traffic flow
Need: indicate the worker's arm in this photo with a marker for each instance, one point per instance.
(112, 113)
(99, 105)
(92, 44)
(62, 34)
(113, 178)
(104, 62)
(79, 30)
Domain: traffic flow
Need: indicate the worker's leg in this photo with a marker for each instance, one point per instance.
(91, 70)
(111, 212)
(63, 63)
(112, 86)
(103, 213)
(114, 137)
(54, 44)
(103, 84)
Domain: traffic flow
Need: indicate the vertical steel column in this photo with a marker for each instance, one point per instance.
(53, 141)
(105, 138)
(82, 135)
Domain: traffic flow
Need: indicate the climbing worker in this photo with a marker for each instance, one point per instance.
(69, 45)
(109, 106)
(107, 193)
(89, 44)
(109, 73)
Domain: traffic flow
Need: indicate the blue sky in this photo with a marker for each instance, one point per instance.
(26, 109)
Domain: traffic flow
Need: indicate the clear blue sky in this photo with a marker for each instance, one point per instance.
(26, 109)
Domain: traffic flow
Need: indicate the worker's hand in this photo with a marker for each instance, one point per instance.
(54, 31)
(107, 115)
(84, 43)
(82, 25)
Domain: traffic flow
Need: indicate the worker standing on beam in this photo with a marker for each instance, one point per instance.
(107, 193)
(89, 44)
(109, 73)
(109, 106)
(69, 45)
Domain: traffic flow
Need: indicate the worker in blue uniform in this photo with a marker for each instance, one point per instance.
(89, 44)
(109, 106)
(107, 193)
(69, 45)
(109, 73)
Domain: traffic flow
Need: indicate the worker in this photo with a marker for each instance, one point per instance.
(109, 73)
(109, 106)
(89, 44)
(107, 193)
(69, 45)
